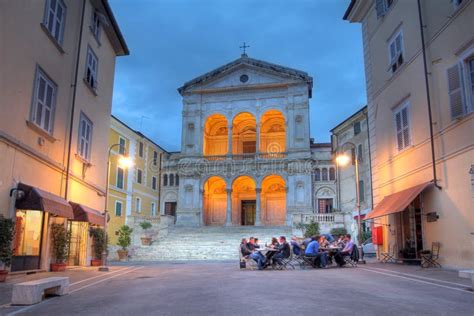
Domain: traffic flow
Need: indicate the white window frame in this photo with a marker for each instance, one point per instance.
(41, 105)
(468, 81)
(153, 209)
(120, 150)
(154, 181)
(117, 177)
(121, 208)
(386, 7)
(139, 176)
(84, 142)
(393, 59)
(52, 19)
(155, 158)
(398, 109)
(92, 69)
(138, 205)
(96, 24)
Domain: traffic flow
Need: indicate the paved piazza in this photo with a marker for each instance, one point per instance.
(220, 288)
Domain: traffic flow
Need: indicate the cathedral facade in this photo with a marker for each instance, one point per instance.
(246, 155)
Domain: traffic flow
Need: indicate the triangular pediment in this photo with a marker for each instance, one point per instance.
(246, 72)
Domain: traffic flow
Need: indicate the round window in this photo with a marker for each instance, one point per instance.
(244, 78)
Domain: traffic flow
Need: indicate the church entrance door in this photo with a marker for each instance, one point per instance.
(248, 212)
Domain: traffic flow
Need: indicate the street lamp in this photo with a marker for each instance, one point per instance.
(124, 162)
(342, 160)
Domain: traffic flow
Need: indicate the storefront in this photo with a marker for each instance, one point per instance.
(80, 246)
(34, 208)
(401, 215)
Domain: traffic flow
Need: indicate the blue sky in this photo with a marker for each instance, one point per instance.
(173, 41)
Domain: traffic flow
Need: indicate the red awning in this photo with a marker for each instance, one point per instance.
(397, 202)
(37, 199)
(83, 213)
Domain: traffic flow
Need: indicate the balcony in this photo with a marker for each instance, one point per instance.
(326, 218)
(252, 156)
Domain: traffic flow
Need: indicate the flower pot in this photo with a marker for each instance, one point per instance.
(146, 241)
(96, 262)
(3, 275)
(58, 267)
(122, 254)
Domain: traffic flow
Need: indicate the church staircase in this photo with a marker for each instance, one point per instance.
(205, 243)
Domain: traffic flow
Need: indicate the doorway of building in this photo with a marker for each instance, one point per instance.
(248, 208)
(170, 208)
(77, 243)
(410, 231)
(27, 242)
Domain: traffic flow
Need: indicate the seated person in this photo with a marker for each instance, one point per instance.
(257, 245)
(313, 251)
(284, 251)
(255, 255)
(296, 246)
(323, 242)
(244, 250)
(340, 241)
(347, 251)
(274, 243)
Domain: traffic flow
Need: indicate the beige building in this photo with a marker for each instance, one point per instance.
(351, 137)
(134, 192)
(421, 163)
(56, 84)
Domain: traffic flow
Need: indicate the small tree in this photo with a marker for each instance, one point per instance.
(124, 236)
(6, 237)
(338, 231)
(60, 240)
(99, 237)
(145, 226)
(310, 229)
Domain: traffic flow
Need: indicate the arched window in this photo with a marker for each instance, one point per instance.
(325, 174)
(165, 180)
(317, 174)
(332, 174)
(176, 180)
(171, 180)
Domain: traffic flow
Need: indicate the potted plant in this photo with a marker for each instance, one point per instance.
(146, 240)
(310, 229)
(6, 237)
(99, 241)
(60, 242)
(124, 240)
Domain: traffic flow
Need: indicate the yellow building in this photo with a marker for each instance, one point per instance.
(421, 124)
(56, 84)
(134, 192)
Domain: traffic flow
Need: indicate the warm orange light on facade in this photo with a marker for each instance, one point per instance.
(125, 162)
(342, 159)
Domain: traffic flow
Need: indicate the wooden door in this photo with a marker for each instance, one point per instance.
(248, 212)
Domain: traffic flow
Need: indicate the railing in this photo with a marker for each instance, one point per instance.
(319, 218)
(251, 156)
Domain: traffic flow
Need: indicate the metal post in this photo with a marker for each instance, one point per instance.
(104, 267)
(359, 220)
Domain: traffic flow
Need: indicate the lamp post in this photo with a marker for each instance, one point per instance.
(342, 159)
(125, 162)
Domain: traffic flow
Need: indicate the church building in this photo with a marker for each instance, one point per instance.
(246, 154)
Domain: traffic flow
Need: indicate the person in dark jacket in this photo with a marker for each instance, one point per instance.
(284, 251)
(244, 250)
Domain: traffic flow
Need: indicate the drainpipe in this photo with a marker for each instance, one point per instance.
(427, 88)
(370, 159)
(74, 87)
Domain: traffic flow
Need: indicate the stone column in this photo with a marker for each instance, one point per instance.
(258, 222)
(229, 141)
(228, 215)
(257, 144)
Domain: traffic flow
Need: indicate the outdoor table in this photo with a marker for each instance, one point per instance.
(264, 251)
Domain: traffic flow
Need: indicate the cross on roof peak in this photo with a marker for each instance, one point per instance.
(244, 47)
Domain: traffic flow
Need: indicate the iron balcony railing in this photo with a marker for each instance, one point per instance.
(251, 156)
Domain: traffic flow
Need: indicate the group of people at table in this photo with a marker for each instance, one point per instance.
(320, 249)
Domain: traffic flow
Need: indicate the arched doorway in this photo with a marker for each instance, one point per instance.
(273, 199)
(215, 201)
(244, 204)
(215, 136)
(244, 134)
(272, 132)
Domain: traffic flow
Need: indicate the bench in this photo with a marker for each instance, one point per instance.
(31, 292)
(467, 274)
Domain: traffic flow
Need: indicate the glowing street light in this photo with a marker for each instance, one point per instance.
(342, 160)
(124, 162)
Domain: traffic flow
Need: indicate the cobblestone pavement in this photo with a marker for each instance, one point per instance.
(221, 288)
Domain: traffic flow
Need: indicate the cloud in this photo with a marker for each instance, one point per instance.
(173, 41)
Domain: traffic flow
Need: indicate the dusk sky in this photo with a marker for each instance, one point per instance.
(173, 41)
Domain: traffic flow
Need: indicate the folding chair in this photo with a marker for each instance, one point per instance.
(353, 258)
(249, 263)
(286, 263)
(386, 257)
(429, 258)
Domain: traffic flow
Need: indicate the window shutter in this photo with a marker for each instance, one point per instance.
(455, 91)
(380, 8)
(398, 123)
